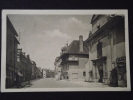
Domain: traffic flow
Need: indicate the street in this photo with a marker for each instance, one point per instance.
(52, 83)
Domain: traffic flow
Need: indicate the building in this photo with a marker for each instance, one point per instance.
(24, 65)
(38, 73)
(44, 73)
(48, 73)
(11, 54)
(33, 70)
(57, 64)
(106, 43)
(73, 60)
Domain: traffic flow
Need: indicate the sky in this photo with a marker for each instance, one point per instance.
(43, 36)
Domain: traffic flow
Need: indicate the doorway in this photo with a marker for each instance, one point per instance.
(100, 69)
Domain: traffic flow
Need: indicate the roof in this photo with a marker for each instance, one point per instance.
(94, 17)
(9, 24)
(73, 48)
(16, 40)
(108, 24)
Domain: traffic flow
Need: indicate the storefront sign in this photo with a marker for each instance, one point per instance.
(73, 58)
(121, 60)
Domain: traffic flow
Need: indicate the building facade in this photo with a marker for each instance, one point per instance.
(44, 73)
(73, 60)
(38, 73)
(11, 54)
(106, 43)
(57, 64)
(24, 65)
(33, 76)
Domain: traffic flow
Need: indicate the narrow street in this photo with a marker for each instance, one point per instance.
(52, 83)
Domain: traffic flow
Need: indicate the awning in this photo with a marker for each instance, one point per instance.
(102, 58)
(18, 73)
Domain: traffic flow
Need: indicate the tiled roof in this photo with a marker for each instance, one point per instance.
(73, 48)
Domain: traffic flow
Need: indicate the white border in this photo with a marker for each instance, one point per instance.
(62, 12)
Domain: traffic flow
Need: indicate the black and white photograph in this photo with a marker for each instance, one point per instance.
(65, 50)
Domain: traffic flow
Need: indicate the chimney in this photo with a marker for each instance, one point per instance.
(81, 43)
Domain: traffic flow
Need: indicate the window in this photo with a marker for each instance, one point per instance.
(99, 49)
(84, 74)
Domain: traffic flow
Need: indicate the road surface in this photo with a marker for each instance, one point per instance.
(51, 83)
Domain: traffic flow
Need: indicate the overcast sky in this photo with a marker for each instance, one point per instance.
(43, 36)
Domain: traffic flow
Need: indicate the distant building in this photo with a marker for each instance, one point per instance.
(11, 54)
(49, 73)
(33, 70)
(73, 60)
(38, 73)
(44, 73)
(106, 43)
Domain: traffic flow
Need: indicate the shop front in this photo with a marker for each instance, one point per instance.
(118, 74)
(121, 71)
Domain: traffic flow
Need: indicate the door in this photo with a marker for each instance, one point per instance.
(100, 68)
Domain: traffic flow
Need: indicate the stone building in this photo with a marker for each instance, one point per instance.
(57, 64)
(25, 65)
(33, 76)
(44, 73)
(107, 58)
(74, 57)
(11, 53)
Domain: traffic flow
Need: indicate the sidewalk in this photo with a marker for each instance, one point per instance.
(25, 84)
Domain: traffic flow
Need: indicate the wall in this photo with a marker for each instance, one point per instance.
(57, 66)
(11, 55)
(77, 68)
(113, 46)
(78, 71)
(103, 20)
